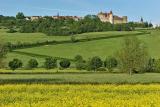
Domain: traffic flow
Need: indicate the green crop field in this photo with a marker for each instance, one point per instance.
(26, 77)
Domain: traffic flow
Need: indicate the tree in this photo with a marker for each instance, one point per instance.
(133, 56)
(65, 63)
(94, 63)
(110, 63)
(157, 65)
(79, 62)
(50, 63)
(151, 65)
(3, 52)
(32, 63)
(15, 63)
(150, 24)
(20, 15)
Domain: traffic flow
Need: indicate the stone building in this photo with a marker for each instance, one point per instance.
(113, 19)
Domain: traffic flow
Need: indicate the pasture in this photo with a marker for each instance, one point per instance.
(101, 44)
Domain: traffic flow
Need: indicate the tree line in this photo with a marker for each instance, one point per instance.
(50, 26)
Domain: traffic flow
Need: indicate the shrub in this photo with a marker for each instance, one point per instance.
(11, 31)
(15, 63)
(65, 63)
(73, 39)
(110, 63)
(94, 63)
(32, 63)
(151, 65)
(50, 63)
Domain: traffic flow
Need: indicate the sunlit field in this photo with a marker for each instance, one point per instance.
(79, 95)
(102, 48)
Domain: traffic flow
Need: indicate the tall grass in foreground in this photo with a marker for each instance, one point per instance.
(79, 95)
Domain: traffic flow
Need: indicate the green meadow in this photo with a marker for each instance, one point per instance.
(101, 44)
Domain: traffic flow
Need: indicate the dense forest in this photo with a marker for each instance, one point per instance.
(50, 26)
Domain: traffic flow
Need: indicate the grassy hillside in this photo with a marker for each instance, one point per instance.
(40, 37)
(28, 37)
(101, 44)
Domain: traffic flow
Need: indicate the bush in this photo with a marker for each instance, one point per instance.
(110, 63)
(15, 63)
(11, 31)
(151, 65)
(32, 63)
(50, 63)
(73, 39)
(94, 63)
(65, 63)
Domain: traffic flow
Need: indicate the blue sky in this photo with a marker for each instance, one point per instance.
(134, 9)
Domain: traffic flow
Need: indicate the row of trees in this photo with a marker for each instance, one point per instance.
(140, 25)
(90, 23)
(93, 64)
(50, 63)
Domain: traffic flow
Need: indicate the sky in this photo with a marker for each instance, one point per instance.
(134, 9)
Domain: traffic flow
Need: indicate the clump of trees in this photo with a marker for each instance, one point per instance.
(50, 63)
(133, 56)
(20, 15)
(110, 63)
(32, 63)
(15, 64)
(65, 63)
(94, 63)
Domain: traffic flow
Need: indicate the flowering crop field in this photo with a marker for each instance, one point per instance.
(79, 95)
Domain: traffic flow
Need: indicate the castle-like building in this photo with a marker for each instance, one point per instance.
(113, 19)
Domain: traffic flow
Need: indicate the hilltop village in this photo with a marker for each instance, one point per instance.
(103, 16)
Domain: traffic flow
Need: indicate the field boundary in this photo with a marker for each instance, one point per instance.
(25, 45)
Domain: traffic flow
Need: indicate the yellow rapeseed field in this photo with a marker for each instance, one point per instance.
(79, 95)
